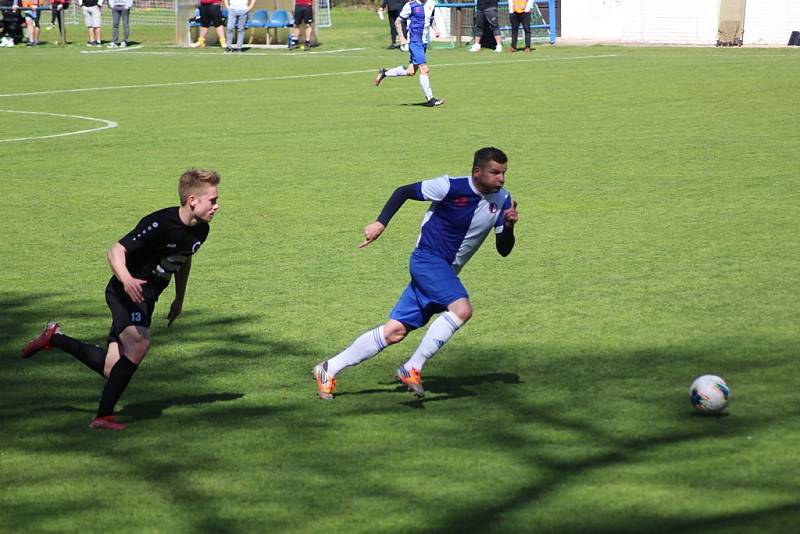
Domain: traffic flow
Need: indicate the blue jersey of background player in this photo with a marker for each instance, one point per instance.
(462, 213)
(419, 16)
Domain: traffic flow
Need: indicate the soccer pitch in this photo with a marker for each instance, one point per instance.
(659, 203)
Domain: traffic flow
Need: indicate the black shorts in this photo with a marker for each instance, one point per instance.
(210, 15)
(125, 312)
(303, 13)
(486, 19)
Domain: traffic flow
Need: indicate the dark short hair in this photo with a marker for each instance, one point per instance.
(487, 154)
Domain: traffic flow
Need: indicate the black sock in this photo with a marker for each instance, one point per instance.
(91, 355)
(117, 381)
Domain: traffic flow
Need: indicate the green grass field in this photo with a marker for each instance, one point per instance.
(658, 240)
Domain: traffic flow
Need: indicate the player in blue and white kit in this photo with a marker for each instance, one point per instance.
(419, 16)
(462, 213)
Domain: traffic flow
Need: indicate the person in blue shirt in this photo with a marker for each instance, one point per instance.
(462, 212)
(419, 16)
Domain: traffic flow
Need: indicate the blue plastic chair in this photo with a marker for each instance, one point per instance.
(280, 18)
(259, 19)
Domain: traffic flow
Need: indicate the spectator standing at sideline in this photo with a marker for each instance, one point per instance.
(237, 18)
(121, 10)
(91, 16)
(303, 13)
(486, 17)
(210, 14)
(519, 12)
(30, 11)
(393, 7)
(57, 10)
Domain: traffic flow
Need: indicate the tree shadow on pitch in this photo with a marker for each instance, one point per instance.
(153, 409)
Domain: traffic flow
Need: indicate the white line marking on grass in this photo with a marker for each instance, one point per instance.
(251, 52)
(113, 50)
(293, 76)
(107, 125)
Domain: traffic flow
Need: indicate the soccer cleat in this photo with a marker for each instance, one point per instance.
(433, 102)
(123, 44)
(527, 49)
(411, 379)
(381, 75)
(325, 383)
(107, 422)
(42, 341)
(475, 48)
(112, 45)
(404, 47)
(223, 43)
(498, 49)
(512, 49)
(201, 43)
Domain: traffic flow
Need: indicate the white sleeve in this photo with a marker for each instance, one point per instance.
(436, 188)
(405, 13)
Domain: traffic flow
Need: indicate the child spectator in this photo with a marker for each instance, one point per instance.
(30, 12)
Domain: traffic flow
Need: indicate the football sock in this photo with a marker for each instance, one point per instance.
(437, 335)
(425, 83)
(364, 347)
(397, 71)
(92, 356)
(117, 381)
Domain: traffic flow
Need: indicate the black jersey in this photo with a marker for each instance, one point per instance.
(160, 245)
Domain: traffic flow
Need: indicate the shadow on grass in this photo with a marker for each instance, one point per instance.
(440, 388)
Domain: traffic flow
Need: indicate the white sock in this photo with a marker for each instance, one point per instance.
(364, 347)
(425, 83)
(437, 335)
(397, 71)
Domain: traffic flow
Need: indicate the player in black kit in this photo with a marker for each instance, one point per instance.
(143, 261)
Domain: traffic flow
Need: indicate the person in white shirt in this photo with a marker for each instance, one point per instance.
(237, 18)
(121, 10)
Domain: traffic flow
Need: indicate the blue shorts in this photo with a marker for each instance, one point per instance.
(417, 53)
(434, 286)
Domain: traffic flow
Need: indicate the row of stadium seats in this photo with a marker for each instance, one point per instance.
(259, 19)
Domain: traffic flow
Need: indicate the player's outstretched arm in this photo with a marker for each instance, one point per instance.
(117, 255)
(373, 230)
(181, 281)
(504, 241)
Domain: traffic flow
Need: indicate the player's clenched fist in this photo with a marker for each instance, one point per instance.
(511, 215)
(371, 232)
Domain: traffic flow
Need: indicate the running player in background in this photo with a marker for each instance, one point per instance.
(143, 262)
(420, 19)
(462, 212)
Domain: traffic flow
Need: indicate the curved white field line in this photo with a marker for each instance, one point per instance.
(106, 125)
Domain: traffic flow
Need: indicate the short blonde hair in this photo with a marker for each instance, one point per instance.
(194, 182)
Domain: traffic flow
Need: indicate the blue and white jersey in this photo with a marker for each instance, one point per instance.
(419, 16)
(459, 218)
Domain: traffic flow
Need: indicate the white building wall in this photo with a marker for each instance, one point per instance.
(674, 21)
(771, 21)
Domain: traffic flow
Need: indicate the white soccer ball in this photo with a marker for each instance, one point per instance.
(709, 394)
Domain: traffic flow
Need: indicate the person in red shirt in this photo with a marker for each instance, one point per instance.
(303, 13)
(210, 13)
